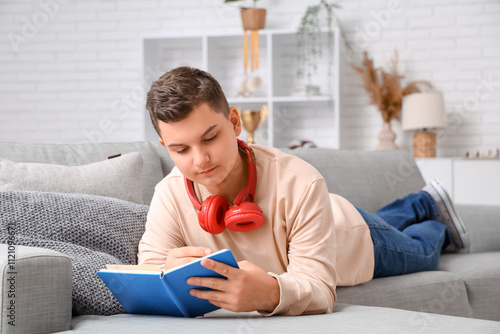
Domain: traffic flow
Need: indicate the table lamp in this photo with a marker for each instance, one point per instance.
(423, 112)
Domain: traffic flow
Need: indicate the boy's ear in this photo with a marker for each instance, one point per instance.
(234, 117)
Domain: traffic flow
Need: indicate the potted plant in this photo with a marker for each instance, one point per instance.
(253, 19)
(386, 93)
(309, 46)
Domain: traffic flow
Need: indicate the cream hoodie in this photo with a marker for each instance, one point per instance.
(297, 244)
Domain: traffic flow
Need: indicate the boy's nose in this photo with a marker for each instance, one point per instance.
(200, 158)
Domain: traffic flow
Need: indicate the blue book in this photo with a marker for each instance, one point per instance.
(154, 292)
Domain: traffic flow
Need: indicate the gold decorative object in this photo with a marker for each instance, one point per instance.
(252, 119)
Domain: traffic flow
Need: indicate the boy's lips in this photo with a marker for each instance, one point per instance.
(208, 171)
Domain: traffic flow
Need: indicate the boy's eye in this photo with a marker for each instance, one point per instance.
(182, 151)
(207, 140)
(210, 139)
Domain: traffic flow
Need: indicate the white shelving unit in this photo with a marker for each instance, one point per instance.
(314, 118)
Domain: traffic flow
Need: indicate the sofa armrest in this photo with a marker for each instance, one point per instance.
(36, 290)
(483, 223)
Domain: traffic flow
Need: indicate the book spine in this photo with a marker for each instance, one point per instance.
(176, 300)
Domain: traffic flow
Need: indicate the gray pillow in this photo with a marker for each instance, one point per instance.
(118, 178)
(92, 230)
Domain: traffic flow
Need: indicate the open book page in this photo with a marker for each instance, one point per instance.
(195, 260)
(133, 268)
(144, 268)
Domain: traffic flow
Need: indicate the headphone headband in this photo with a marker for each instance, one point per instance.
(249, 189)
(190, 190)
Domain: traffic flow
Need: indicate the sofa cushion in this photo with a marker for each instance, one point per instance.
(166, 162)
(429, 291)
(481, 274)
(483, 223)
(118, 177)
(369, 180)
(345, 319)
(92, 230)
(82, 154)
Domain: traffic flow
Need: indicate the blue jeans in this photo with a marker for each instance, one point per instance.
(406, 237)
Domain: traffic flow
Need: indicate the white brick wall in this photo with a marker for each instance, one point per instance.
(77, 74)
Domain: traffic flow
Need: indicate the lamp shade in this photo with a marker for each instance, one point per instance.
(423, 111)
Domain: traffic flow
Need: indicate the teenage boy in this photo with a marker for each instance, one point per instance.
(294, 241)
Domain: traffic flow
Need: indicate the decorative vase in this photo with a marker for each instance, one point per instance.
(386, 138)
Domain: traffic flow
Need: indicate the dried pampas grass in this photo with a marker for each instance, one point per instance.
(384, 87)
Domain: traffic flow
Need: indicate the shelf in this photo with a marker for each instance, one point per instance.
(278, 99)
(247, 100)
(311, 98)
(314, 118)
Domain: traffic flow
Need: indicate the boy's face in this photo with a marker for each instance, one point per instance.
(203, 145)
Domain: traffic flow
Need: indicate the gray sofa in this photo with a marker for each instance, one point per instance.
(462, 296)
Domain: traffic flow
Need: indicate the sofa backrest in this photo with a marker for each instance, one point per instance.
(82, 154)
(166, 163)
(368, 179)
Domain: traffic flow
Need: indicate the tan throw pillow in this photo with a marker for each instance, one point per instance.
(118, 178)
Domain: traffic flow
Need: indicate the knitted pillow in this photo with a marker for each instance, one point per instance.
(118, 178)
(92, 230)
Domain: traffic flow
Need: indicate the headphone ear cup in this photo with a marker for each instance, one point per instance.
(211, 215)
(244, 217)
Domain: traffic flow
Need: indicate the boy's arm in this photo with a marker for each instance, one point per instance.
(308, 286)
(158, 238)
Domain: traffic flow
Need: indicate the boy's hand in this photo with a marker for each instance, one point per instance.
(183, 255)
(246, 289)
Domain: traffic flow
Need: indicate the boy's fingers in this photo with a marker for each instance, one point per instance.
(218, 267)
(190, 251)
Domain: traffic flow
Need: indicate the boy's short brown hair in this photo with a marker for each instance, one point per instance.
(178, 92)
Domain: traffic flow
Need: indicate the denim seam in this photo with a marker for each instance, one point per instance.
(408, 252)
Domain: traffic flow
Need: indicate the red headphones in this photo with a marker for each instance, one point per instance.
(215, 214)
